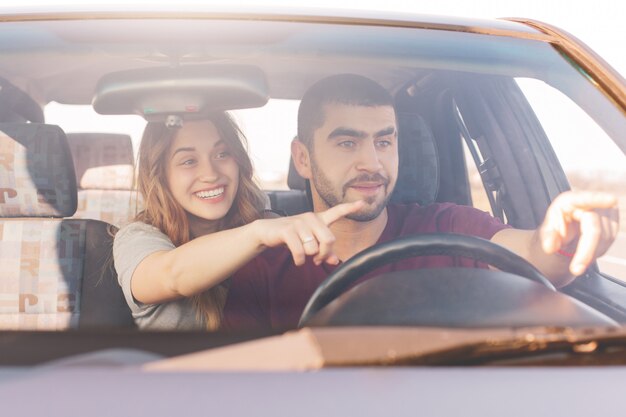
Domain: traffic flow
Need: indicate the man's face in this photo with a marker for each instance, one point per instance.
(354, 156)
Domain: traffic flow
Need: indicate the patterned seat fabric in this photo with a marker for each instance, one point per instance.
(42, 263)
(56, 273)
(104, 173)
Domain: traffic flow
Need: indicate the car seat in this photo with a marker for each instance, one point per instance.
(57, 273)
(418, 167)
(104, 175)
(293, 201)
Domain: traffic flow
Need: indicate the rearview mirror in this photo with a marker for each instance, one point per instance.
(186, 91)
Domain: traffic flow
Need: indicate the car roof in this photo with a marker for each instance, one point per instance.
(287, 12)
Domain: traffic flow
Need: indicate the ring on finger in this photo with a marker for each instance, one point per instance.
(307, 240)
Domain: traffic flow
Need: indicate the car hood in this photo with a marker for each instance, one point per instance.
(316, 348)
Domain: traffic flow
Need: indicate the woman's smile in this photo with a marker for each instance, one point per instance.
(213, 195)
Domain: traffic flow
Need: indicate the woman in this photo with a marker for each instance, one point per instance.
(203, 219)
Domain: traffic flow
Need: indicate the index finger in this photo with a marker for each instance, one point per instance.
(590, 235)
(585, 200)
(340, 210)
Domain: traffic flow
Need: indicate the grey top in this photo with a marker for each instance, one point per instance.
(131, 245)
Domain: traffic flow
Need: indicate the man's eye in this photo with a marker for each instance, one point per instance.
(384, 143)
(347, 144)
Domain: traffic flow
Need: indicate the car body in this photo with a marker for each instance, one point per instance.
(516, 112)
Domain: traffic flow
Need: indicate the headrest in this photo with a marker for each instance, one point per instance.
(418, 171)
(17, 106)
(103, 161)
(36, 172)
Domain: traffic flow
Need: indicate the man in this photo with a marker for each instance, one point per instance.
(347, 148)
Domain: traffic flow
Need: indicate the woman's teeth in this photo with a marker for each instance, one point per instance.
(211, 193)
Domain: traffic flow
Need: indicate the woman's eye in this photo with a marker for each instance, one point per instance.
(222, 155)
(188, 162)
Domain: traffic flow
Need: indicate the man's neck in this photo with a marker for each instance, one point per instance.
(352, 237)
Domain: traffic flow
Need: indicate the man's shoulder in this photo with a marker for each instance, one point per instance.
(413, 209)
(438, 217)
(410, 209)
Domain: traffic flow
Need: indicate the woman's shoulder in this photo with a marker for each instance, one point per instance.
(136, 240)
(137, 227)
(139, 231)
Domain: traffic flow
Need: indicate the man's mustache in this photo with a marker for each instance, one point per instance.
(367, 178)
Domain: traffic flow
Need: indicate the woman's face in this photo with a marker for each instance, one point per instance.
(202, 174)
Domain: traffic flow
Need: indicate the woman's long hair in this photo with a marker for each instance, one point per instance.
(163, 211)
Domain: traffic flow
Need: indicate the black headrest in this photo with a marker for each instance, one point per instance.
(36, 171)
(418, 171)
(17, 106)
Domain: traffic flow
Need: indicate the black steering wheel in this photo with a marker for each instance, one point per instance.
(448, 244)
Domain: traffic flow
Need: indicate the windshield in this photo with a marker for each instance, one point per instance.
(465, 130)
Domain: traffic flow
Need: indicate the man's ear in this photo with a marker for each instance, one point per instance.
(301, 159)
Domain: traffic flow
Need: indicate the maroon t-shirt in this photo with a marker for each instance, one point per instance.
(270, 292)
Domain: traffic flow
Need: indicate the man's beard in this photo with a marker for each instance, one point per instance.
(329, 196)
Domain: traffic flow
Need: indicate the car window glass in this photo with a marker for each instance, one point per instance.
(588, 155)
(269, 131)
(83, 118)
(477, 189)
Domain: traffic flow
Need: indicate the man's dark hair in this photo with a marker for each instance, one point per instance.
(350, 89)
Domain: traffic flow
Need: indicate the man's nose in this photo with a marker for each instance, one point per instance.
(369, 158)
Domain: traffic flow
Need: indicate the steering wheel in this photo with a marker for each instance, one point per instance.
(449, 244)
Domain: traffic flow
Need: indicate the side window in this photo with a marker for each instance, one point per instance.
(481, 199)
(477, 188)
(269, 131)
(589, 157)
(83, 118)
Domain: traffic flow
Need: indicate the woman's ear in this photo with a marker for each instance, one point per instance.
(301, 158)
